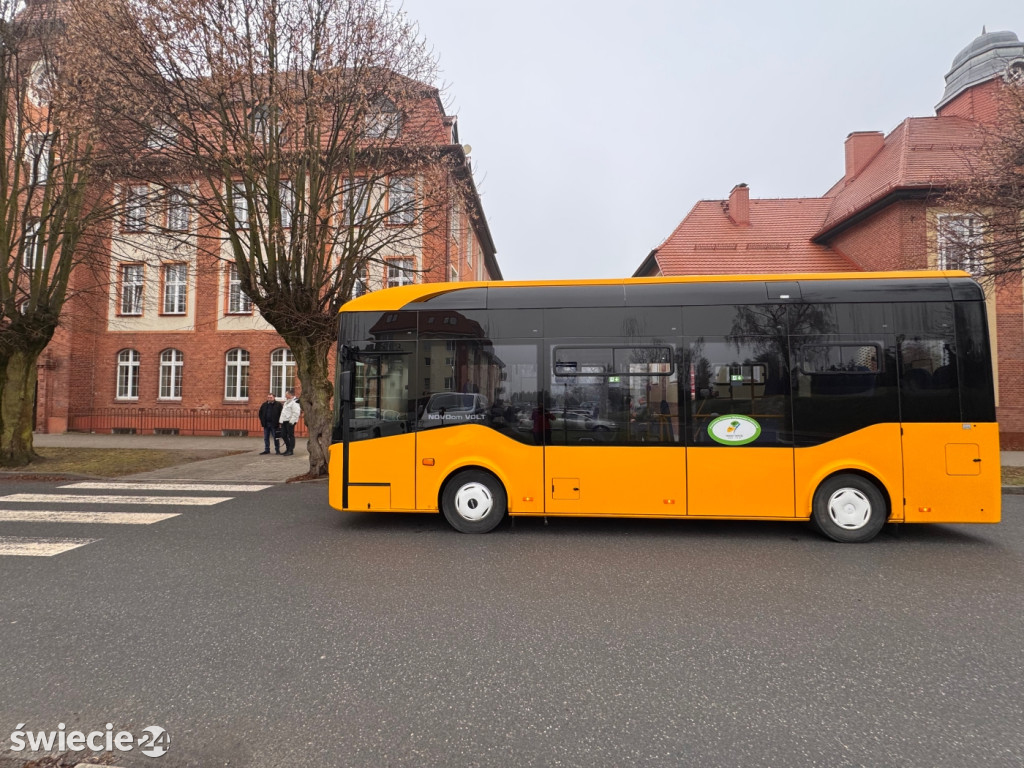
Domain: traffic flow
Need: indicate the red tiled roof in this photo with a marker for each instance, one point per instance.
(778, 239)
(921, 153)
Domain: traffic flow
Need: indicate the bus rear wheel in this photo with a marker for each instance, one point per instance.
(473, 501)
(849, 508)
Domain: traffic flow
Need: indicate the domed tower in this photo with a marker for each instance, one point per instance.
(977, 73)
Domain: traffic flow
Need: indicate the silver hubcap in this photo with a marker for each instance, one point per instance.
(473, 501)
(849, 508)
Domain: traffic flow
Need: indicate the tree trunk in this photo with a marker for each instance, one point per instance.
(311, 365)
(17, 400)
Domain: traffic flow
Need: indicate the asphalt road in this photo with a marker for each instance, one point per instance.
(268, 630)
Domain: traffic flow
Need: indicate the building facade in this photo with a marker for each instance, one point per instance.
(886, 213)
(158, 335)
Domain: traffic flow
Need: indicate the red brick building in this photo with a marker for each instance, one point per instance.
(885, 213)
(159, 336)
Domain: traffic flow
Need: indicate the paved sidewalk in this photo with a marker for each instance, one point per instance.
(247, 467)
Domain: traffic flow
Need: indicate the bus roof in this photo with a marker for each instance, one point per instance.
(402, 296)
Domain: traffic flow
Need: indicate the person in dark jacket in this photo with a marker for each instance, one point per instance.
(270, 413)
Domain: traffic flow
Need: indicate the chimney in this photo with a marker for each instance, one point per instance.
(739, 205)
(861, 147)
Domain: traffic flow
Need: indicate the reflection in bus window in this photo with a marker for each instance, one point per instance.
(475, 381)
(612, 395)
(748, 378)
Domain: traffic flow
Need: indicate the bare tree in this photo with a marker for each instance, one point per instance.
(987, 236)
(48, 164)
(303, 132)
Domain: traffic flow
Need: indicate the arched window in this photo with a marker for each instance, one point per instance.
(282, 371)
(171, 363)
(236, 375)
(128, 374)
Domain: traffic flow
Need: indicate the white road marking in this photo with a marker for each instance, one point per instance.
(67, 516)
(168, 487)
(24, 546)
(49, 498)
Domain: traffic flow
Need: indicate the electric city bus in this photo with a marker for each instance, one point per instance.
(850, 400)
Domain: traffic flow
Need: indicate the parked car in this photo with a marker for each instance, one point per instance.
(376, 422)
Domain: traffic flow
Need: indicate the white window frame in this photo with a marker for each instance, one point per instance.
(128, 363)
(354, 202)
(956, 253)
(178, 219)
(135, 208)
(398, 272)
(384, 120)
(172, 363)
(240, 204)
(287, 192)
(37, 151)
(132, 290)
(236, 374)
(30, 258)
(239, 302)
(175, 289)
(401, 201)
(282, 371)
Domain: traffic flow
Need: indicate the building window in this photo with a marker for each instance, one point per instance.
(398, 272)
(177, 211)
(239, 302)
(961, 243)
(30, 258)
(383, 121)
(135, 209)
(131, 289)
(236, 375)
(265, 123)
(354, 202)
(162, 135)
(175, 289)
(453, 273)
(282, 371)
(172, 362)
(37, 149)
(401, 204)
(360, 287)
(287, 192)
(240, 205)
(128, 374)
(455, 222)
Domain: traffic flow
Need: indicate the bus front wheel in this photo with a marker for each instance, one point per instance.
(849, 508)
(473, 501)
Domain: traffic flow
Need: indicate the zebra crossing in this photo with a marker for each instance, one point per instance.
(70, 506)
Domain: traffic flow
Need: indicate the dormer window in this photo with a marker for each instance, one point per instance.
(265, 123)
(384, 121)
(162, 135)
(1014, 73)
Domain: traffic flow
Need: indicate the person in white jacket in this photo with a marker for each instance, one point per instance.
(289, 418)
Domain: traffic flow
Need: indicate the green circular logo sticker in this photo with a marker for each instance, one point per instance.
(733, 429)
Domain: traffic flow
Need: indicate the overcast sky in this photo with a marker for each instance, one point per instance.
(596, 126)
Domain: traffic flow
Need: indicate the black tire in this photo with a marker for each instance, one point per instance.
(849, 508)
(473, 501)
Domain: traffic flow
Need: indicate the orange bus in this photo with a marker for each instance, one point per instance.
(850, 400)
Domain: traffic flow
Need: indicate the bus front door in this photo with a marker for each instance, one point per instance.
(381, 440)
